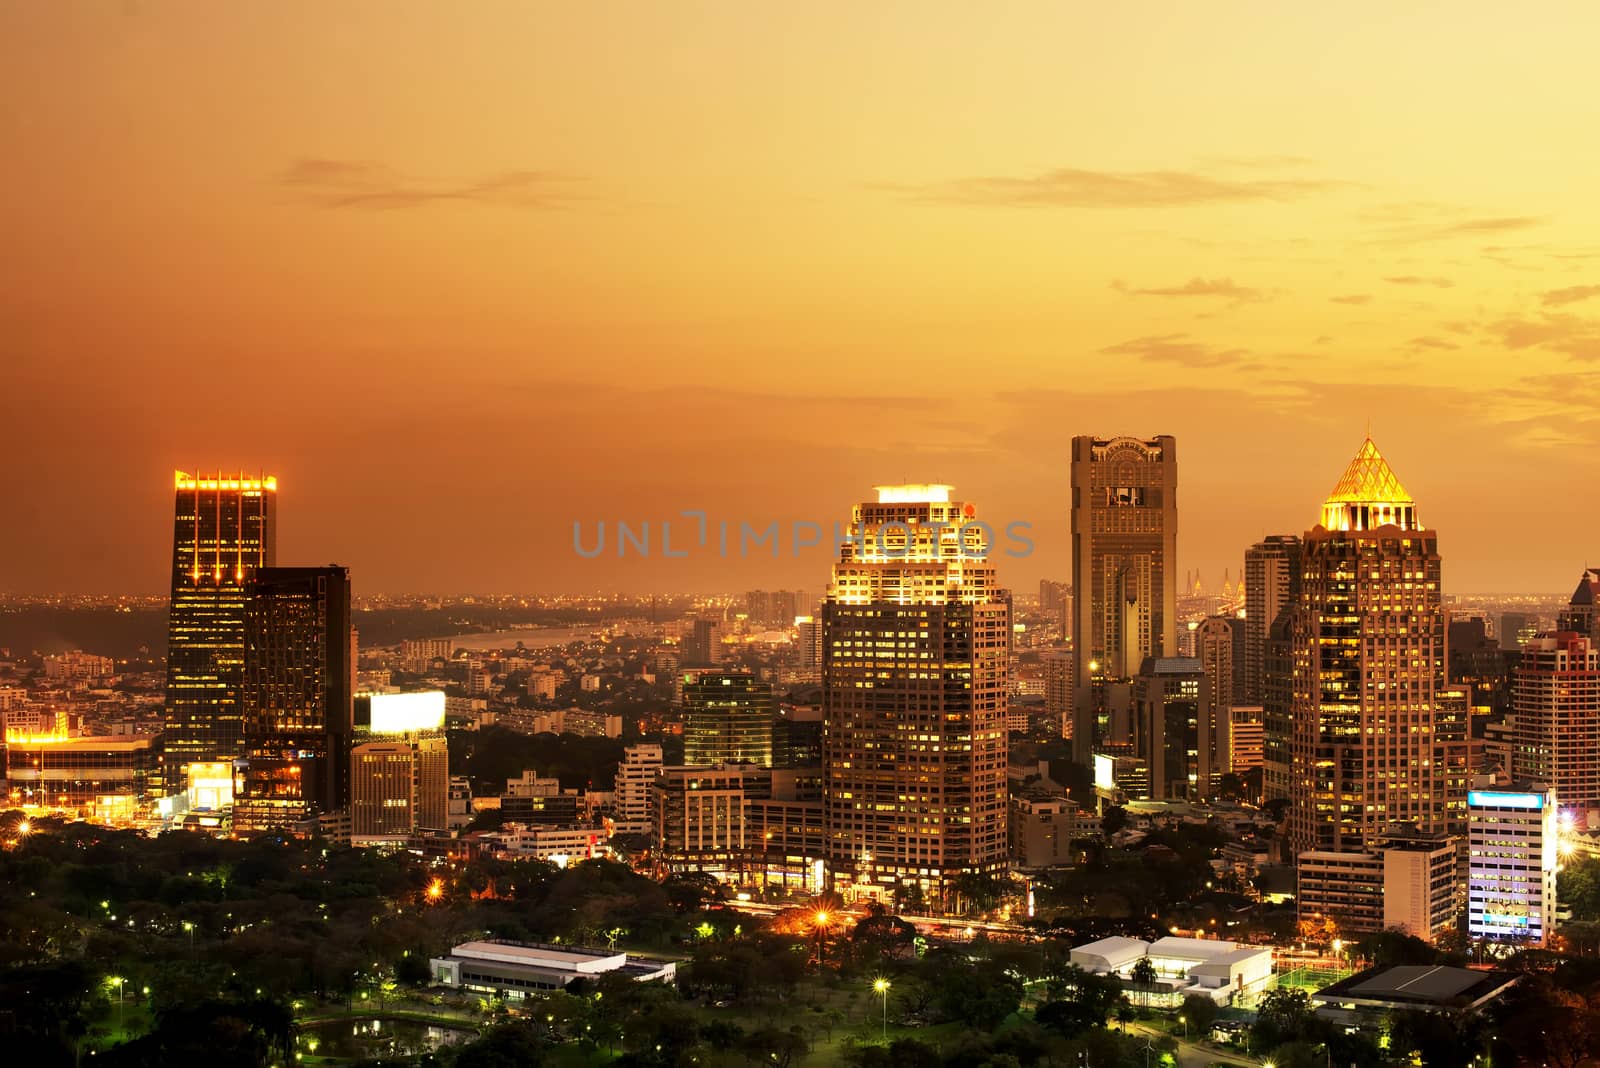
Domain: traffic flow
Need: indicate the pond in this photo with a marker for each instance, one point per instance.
(357, 1039)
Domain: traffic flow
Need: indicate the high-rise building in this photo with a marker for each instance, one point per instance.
(1058, 689)
(1216, 646)
(808, 642)
(702, 646)
(1369, 652)
(635, 786)
(1517, 627)
(400, 768)
(727, 718)
(1271, 584)
(1170, 728)
(1124, 552)
(1244, 738)
(298, 705)
(916, 658)
(225, 527)
(1511, 872)
(1277, 706)
(1555, 702)
(1582, 614)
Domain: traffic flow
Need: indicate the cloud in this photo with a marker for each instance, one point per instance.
(1197, 287)
(1569, 295)
(1573, 335)
(1419, 280)
(1412, 223)
(1072, 187)
(1352, 298)
(1178, 349)
(1429, 342)
(354, 184)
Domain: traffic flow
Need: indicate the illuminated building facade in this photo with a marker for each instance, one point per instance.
(1124, 550)
(1555, 715)
(1368, 641)
(400, 766)
(225, 527)
(106, 780)
(1511, 873)
(727, 718)
(1271, 584)
(915, 684)
(1277, 706)
(298, 700)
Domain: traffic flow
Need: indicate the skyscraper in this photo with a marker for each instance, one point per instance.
(400, 766)
(1277, 705)
(298, 700)
(1271, 584)
(727, 719)
(1555, 715)
(1167, 726)
(1369, 654)
(916, 659)
(1124, 550)
(225, 527)
(1512, 867)
(1215, 647)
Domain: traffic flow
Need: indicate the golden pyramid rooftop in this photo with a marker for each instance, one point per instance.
(1369, 495)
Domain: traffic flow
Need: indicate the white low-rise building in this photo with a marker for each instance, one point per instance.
(1211, 967)
(518, 968)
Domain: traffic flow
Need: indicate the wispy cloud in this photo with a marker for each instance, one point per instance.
(1178, 349)
(1419, 280)
(1073, 187)
(1352, 298)
(1421, 221)
(336, 183)
(1226, 288)
(1573, 335)
(1570, 295)
(1430, 342)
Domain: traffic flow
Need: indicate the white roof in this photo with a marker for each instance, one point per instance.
(541, 956)
(1113, 949)
(1191, 948)
(1226, 962)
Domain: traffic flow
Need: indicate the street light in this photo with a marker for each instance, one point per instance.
(1185, 1021)
(121, 984)
(882, 987)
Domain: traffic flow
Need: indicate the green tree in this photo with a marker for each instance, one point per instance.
(1201, 1012)
(1143, 974)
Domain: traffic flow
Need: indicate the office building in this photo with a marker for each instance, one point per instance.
(1408, 881)
(1218, 642)
(1124, 551)
(1167, 725)
(727, 718)
(702, 646)
(1271, 584)
(1368, 645)
(1058, 689)
(700, 815)
(400, 766)
(106, 780)
(1245, 738)
(1582, 614)
(298, 700)
(1555, 700)
(915, 682)
(1516, 628)
(1277, 706)
(225, 526)
(635, 789)
(1511, 871)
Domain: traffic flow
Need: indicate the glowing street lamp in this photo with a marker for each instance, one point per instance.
(882, 987)
(121, 984)
(435, 890)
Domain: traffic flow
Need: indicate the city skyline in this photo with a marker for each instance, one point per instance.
(586, 296)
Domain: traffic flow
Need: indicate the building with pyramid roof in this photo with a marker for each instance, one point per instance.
(1376, 738)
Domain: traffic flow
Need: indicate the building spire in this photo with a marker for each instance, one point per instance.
(1368, 495)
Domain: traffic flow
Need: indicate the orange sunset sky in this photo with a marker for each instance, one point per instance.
(461, 274)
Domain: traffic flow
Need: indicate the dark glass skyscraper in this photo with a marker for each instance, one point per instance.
(298, 699)
(727, 718)
(225, 527)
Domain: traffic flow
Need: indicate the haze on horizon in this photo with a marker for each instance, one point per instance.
(461, 276)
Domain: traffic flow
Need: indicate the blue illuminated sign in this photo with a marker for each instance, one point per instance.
(1494, 799)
